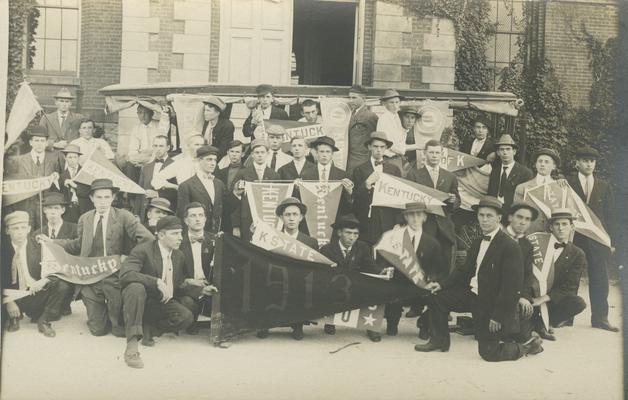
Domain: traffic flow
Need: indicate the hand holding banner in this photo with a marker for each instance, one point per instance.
(73, 269)
(396, 247)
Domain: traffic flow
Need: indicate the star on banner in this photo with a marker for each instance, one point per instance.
(368, 319)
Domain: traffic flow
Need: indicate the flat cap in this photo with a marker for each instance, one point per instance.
(259, 142)
(160, 203)
(587, 152)
(168, 223)
(16, 217)
(206, 150)
(38, 131)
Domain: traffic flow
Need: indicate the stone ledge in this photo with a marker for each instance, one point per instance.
(389, 85)
(384, 72)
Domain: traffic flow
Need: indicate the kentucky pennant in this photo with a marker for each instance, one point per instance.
(97, 166)
(543, 267)
(472, 185)
(14, 191)
(391, 191)
(322, 200)
(308, 130)
(396, 247)
(264, 197)
(73, 269)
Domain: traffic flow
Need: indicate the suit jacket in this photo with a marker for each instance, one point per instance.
(193, 190)
(275, 113)
(82, 190)
(362, 123)
(288, 172)
(307, 240)
(430, 259)
(122, 229)
(448, 183)
(487, 147)
(360, 258)
(335, 174)
(500, 280)
(67, 231)
(223, 175)
(527, 291)
(568, 269)
(222, 134)
(69, 130)
(382, 219)
(33, 259)
(145, 265)
(519, 174)
(242, 217)
(207, 254)
(146, 176)
(53, 162)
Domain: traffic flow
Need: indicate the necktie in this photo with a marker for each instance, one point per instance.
(52, 234)
(273, 162)
(414, 241)
(15, 267)
(345, 253)
(502, 182)
(560, 245)
(98, 244)
(167, 274)
(486, 237)
(62, 120)
(38, 163)
(434, 175)
(324, 175)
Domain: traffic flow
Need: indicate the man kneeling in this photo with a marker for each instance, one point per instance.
(152, 278)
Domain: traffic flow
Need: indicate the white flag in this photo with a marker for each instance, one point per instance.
(22, 113)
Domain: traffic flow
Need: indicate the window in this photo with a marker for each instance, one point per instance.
(508, 19)
(57, 36)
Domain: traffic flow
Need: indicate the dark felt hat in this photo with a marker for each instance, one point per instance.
(324, 140)
(168, 223)
(505, 140)
(54, 199)
(160, 203)
(587, 152)
(489, 201)
(290, 201)
(518, 205)
(38, 131)
(103, 183)
(409, 109)
(346, 221)
(379, 136)
(547, 152)
(418, 206)
(264, 89)
(206, 151)
(391, 93)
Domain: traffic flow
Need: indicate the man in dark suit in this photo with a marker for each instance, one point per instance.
(291, 212)
(263, 110)
(35, 164)
(562, 298)
(62, 124)
(235, 151)
(506, 173)
(363, 122)
(157, 209)
(257, 171)
(203, 188)
(76, 194)
(21, 270)
(299, 165)
(350, 253)
(409, 115)
(198, 248)
(325, 170)
(439, 227)
(161, 160)
(217, 129)
(106, 230)
(481, 146)
(152, 277)
(365, 176)
(489, 285)
(599, 196)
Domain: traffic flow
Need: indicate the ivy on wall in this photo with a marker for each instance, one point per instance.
(20, 12)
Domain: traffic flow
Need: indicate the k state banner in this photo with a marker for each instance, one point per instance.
(543, 267)
(396, 247)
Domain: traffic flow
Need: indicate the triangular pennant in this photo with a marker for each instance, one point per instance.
(97, 166)
(264, 197)
(453, 160)
(322, 200)
(73, 269)
(16, 190)
(396, 247)
(542, 267)
(391, 191)
(278, 242)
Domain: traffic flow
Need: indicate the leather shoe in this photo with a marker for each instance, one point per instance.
(46, 329)
(533, 347)
(429, 346)
(147, 338)
(423, 333)
(263, 334)
(133, 360)
(66, 310)
(297, 333)
(14, 325)
(413, 312)
(374, 336)
(605, 325)
(545, 335)
(330, 329)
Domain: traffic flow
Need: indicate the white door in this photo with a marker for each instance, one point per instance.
(255, 41)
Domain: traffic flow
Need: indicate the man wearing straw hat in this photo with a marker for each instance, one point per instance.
(506, 173)
(217, 130)
(61, 124)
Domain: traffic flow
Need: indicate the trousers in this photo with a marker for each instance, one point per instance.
(103, 302)
(45, 305)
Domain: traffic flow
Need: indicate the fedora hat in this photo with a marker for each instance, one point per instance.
(518, 205)
(379, 136)
(102, 183)
(489, 201)
(64, 93)
(38, 131)
(418, 206)
(587, 152)
(290, 201)
(324, 140)
(215, 101)
(390, 93)
(561, 213)
(54, 199)
(160, 203)
(72, 148)
(547, 152)
(346, 221)
(505, 140)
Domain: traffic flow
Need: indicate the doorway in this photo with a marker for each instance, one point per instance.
(323, 41)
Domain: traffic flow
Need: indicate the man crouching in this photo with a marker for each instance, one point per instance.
(152, 277)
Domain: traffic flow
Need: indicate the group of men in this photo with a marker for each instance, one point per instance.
(167, 239)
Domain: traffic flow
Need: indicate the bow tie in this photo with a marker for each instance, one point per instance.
(235, 165)
(378, 163)
(559, 245)
(194, 239)
(486, 237)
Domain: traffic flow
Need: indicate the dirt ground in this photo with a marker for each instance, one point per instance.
(584, 363)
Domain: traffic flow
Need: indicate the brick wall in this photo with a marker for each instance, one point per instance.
(567, 54)
(369, 34)
(214, 46)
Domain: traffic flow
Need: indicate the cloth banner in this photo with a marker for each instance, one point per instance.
(190, 115)
(472, 185)
(9, 295)
(259, 290)
(396, 247)
(543, 267)
(97, 166)
(322, 200)
(394, 192)
(264, 197)
(336, 115)
(73, 269)
(14, 191)
(277, 242)
(370, 318)
(551, 195)
(24, 109)
(308, 130)
(453, 160)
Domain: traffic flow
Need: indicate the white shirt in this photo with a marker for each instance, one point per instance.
(158, 166)
(259, 169)
(166, 274)
(434, 173)
(266, 112)
(478, 261)
(377, 168)
(416, 236)
(323, 171)
(208, 184)
(87, 146)
(23, 276)
(299, 164)
(587, 184)
(72, 171)
(541, 180)
(207, 135)
(282, 159)
(197, 258)
(105, 220)
(390, 123)
(477, 146)
(142, 136)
